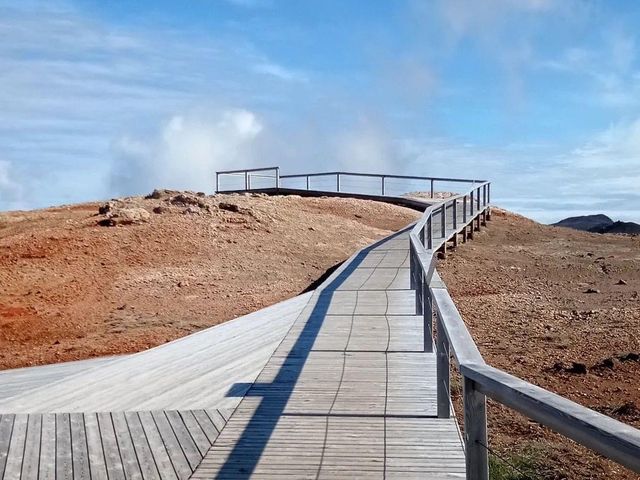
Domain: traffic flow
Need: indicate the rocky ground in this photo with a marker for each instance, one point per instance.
(102, 279)
(561, 309)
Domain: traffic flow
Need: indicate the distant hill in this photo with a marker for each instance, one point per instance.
(599, 224)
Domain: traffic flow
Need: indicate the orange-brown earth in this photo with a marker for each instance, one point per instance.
(70, 289)
(561, 309)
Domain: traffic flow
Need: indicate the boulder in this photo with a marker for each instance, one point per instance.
(125, 216)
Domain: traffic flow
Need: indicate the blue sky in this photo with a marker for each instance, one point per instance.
(101, 99)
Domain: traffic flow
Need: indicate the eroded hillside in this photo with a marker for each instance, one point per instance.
(168, 266)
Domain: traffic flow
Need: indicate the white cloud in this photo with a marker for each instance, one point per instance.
(11, 192)
(280, 72)
(187, 152)
(609, 67)
(463, 17)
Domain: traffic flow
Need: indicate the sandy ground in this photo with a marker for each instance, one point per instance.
(70, 289)
(522, 290)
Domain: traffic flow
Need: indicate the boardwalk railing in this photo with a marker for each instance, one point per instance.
(441, 222)
(246, 175)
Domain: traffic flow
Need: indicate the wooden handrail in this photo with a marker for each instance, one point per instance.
(605, 435)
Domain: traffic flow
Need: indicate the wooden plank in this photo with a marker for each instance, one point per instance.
(32, 448)
(197, 433)
(125, 445)
(13, 464)
(47, 466)
(79, 447)
(219, 417)
(64, 462)
(115, 469)
(6, 428)
(142, 449)
(94, 447)
(177, 456)
(206, 424)
(157, 447)
(184, 438)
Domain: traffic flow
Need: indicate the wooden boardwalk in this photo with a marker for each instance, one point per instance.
(331, 384)
(349, 392)
(106, 446)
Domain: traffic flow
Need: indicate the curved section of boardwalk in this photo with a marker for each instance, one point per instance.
(337, 383)
(349, 392)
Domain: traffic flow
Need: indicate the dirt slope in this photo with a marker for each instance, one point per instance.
(70, 289)
(559, 308)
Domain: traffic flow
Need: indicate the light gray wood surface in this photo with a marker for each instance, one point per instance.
(166, 445)
(193, 372)
(349, 391)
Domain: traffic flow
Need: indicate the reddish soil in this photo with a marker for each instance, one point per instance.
(522, 290)
(70, 289)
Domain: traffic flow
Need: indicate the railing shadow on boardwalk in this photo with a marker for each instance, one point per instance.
(246, 453)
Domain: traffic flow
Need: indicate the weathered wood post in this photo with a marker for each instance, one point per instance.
(475, 432)
(455, 223)
(246, 180)
(217, 182)
(442, 371)
(337, 182)
(412, 267)
(383, 179)
(277, 177)
(427, 317)
(432, 191)
(307, 182)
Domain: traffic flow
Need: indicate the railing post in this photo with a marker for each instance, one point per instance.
(217, 182)
(471, 202)
(427, 317)
(488, 193)
(455, 214)
(337, 182)
(430, 233)
(249, 181)
(475, 432)
(246, 180)
(307, 182)
(464, 209)
(419, 284)
(277, 177)
(432, 191)
(412, 267)
(443, 219)
(478, 199)
(383, 179)
(443, 371)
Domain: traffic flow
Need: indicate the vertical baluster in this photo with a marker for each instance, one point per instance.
(427, 318)
(442, 370)
(475, 431)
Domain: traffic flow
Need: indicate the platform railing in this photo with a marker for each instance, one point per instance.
(247, 174)
(613, 439)
(441, 222)
(341, 175)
